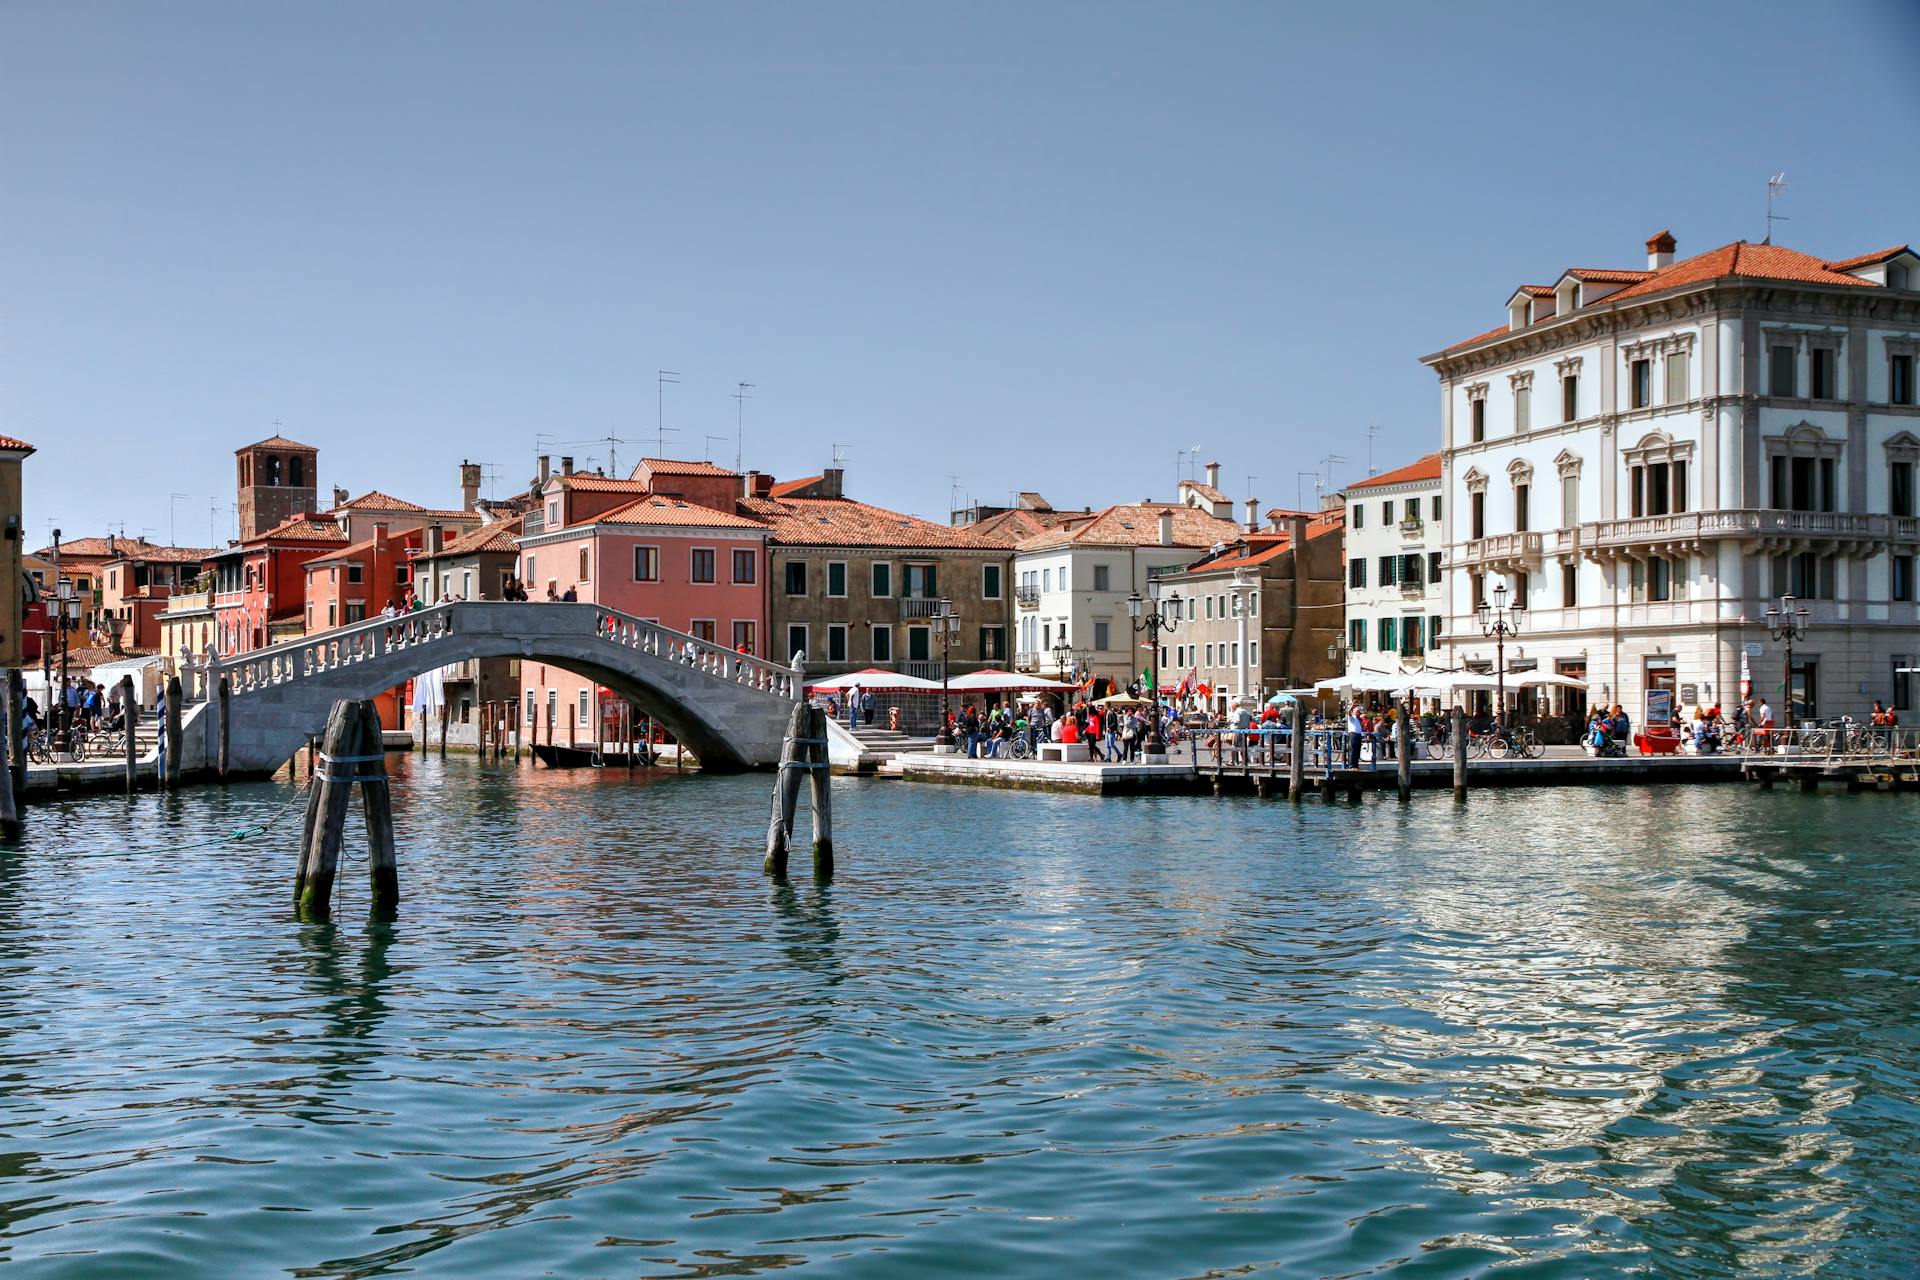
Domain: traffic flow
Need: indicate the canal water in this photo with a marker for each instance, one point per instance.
(1581, 1033)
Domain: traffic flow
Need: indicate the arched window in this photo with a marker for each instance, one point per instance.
(273, 471)
(297, 471)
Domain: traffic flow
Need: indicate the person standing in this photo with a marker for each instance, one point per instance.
(853, 707)
(866, 705)
(1356, 729)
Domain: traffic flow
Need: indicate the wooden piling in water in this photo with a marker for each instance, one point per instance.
(9, 798)
(172, 729)
(16, 700)
(626, 733)
(354, 755)
(786, 792)
(1459, 755)
(1297, 754)
(130, 716)
(224, 708)
(820, 780)
(326, 813)
(446, 713)
(1403, 754)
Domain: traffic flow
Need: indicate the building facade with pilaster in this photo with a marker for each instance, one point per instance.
(1647, 459)
(1395, 594)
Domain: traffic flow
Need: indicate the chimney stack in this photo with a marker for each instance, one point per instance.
(339, 496)
(379, 538)
(546, 468)
(469, 485)
(436, 538)
(1213, 475)
(748, 483)
(1253, 515)
(1660, 250)
(566, 465)
(832, 482)
(1166, 528)
(1296, 532)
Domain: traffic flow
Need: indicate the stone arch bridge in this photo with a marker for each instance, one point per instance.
(729, 708)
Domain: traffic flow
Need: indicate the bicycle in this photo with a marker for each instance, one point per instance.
(1520, 743)
(1480, 745)
(40, 746)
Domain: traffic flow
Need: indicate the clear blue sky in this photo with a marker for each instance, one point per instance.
(1031, 246)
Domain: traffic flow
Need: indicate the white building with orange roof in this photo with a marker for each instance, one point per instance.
(1641, 462)
(1072, 583)
(1396, 601)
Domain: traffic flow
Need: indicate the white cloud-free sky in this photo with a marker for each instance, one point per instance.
(1027, 246)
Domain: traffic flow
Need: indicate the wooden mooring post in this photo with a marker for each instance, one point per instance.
(353, 755)
(1403, 754)
(1297, 754)
(17, 699)
(172, 729)
(786, 791)
(9, 798)
(446, 713)
(1459, 755)
(130, 716)
(821, 777)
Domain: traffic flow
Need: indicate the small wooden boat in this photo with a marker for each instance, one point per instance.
(560, 756)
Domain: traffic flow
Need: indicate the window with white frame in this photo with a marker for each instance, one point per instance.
(646, 564)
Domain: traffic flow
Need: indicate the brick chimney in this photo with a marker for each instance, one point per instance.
(379, 536)
(748, 483)
(437, 537)
(1253, 515)
(1660, 250)
(1166, 528)
(566, 465)
(1213, 475)
(469, 485)
(339, 496)
(832, 483)
(546, 468)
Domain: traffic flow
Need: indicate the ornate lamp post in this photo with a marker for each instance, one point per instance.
(1787, 622)
(946, 627)
(1499, 621)
(1161, 617)
(1062, 660)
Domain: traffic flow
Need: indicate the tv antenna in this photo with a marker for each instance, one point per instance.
(1328, 462)
(173, 499)
(662, 379)
(1373, 433)
(1300, 488)
(740, 398)
(840, 453)
(613, 443)
(721, 439)
(1775, 185)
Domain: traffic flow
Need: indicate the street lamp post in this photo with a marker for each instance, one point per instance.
(946, 625)
(1499, 621)
(1062, 656)
(1787, 622)
(1161, 617)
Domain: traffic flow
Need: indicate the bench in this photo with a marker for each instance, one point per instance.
(1065, 752)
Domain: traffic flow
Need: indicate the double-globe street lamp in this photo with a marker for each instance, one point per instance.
(946, 628)
(1062, 660)
(1498, 621)
(1161, 617)
(1787, 621)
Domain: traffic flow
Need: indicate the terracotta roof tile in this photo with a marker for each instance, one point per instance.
(587, 482)
(1601, 275)
(1427, 468)
(1738, 260)
(677, 467)
(276, 442)
(1268, 545)
(1204, 490)
(303, 528)
(498, 536)
(15, 445)
(786, 487)
(1009, 528)
(128, 549)
(655, 509)
(1867, 259)
(374, 500)
(842, 522)
(1137, 524)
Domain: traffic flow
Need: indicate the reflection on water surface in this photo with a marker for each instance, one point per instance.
(1577, 1033)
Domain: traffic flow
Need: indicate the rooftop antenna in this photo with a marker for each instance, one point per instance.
(1300, 488)
(1327, 462)
(1775, 185)
(722, 440)
(953, 496)
(173, 499)
(1373, 433)
(613, 444)
(542, 444)
(662, 377)
(839, 454)
(740, 398)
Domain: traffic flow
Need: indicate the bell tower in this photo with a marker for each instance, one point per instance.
(275, 480)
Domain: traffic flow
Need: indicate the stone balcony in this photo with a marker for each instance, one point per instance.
(1027, 597)
(1413, 530)
(1413, 590)
(1501, 553)
(1763, 531)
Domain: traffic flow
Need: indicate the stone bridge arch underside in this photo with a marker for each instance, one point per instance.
(730, 710)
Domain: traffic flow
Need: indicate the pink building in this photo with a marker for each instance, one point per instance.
(661, 557)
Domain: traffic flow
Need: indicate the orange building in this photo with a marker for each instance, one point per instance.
(359, 581)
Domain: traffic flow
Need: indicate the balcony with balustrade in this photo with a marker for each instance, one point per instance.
(1413, 530)
(1501, 553)
(1026, 597)
(915, 607)
(1764, 531)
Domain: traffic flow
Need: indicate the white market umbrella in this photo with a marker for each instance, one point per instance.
(1525, 678)
(875, 679)
(992, 680)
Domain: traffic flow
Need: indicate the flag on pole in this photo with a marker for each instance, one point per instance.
(1146, 679)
